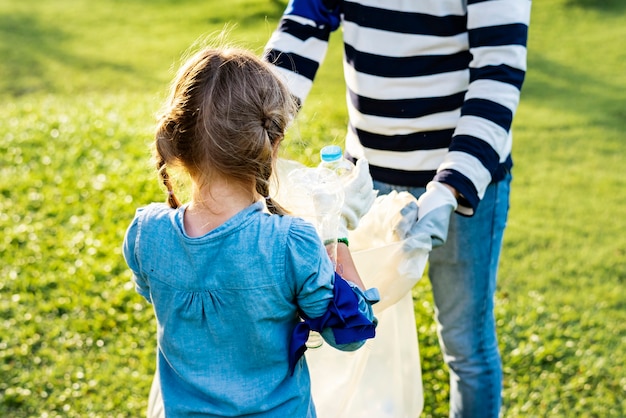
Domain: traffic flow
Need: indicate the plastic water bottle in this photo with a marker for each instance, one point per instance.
(328, 197)
(319, 197)
(332, 159)
(324, 189)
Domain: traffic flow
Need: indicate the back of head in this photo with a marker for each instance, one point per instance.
(225, 117)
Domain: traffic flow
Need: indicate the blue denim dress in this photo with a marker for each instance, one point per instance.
(226, 307)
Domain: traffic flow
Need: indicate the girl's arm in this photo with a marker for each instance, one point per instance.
(346, 267)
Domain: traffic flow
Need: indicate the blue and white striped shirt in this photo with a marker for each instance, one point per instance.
(432, 85)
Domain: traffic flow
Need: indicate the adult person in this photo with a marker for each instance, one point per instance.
(432, 89)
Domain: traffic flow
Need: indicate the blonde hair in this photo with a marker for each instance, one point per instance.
(226, 114)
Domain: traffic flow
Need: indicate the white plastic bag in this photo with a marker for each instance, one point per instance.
(383, 378)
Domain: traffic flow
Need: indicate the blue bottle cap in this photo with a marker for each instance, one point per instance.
(331, 153)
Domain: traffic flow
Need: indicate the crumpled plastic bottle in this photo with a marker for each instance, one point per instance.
(332, 158)
(320, 197)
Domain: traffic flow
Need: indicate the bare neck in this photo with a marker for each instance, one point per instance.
(214, 204)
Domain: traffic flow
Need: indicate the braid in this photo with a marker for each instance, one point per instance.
(172, 200)
(274, 207)
(262, 187)
(225, 118)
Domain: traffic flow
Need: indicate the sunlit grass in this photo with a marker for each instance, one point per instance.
(80, 84)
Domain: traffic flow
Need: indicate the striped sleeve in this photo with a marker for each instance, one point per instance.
(497, 33)
(298, 46)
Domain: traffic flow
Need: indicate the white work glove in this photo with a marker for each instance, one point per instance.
(408, 217)
(359, 197)
(435, 207)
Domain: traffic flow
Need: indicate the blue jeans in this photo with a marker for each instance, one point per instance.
(463, 277)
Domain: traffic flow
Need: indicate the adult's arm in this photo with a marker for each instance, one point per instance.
(498, 32)
(298, 45)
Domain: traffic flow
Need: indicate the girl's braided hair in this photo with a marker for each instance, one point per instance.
(226, 114)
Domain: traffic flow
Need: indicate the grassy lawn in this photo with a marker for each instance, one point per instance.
(80, 82)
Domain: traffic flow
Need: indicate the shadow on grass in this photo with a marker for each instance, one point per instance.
(609, 6)
(25, 45)
(30, 48)
(274, 12)
(575, 88)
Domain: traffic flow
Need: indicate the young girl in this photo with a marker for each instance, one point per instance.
(235, 289)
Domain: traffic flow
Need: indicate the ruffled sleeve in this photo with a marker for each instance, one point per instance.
(130, 255)
(308, 269)
(348, 321)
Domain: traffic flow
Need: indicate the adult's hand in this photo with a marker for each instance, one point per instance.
(359, 197)
(435, 207)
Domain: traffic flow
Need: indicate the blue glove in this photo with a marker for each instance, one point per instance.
(435, 207)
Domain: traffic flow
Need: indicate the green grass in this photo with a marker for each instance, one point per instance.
(80, 82)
